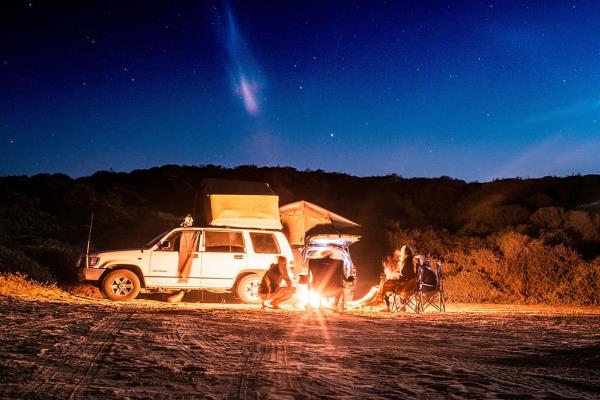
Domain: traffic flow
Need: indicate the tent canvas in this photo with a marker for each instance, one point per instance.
(300, 217)
(240, 204)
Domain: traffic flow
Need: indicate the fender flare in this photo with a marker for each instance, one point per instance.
(131, 267)
(246, 272)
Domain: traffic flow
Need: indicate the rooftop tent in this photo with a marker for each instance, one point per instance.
(302, 216)
(240, 204)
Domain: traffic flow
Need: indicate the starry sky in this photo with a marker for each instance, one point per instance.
(474, 90)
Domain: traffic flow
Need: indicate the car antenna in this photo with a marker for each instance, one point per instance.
(87, 250)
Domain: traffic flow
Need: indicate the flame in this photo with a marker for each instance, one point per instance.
(306, 297)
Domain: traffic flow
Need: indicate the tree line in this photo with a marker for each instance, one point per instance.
(515, 240)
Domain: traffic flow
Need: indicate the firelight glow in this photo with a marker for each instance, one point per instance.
(306, 297)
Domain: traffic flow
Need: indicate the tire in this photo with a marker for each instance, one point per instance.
(102, 291)
(247, 289)
(121, 285)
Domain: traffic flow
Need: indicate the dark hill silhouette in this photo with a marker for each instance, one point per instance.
(474, 228)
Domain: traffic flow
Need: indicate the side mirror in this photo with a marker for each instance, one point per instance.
(164, 245)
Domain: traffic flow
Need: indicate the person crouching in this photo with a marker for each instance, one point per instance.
(269, 290)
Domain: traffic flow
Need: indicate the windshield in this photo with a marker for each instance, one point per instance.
(155, 240)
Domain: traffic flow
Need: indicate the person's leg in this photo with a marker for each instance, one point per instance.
(386, 298)
(282, 294)
(406, 288)
(336, 300)
(264, 297)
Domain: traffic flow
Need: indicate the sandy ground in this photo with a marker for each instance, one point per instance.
(80, 348)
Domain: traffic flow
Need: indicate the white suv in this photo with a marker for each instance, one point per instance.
(226, 260)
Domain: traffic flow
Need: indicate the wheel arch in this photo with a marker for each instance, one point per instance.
(130, 267)
(244, 273)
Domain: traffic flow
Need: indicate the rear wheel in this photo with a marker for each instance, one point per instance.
(121, 285)
(247, 289)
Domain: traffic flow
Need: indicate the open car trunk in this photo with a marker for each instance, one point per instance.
(338, 240)
(338, 245)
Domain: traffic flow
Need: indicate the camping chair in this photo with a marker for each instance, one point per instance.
(327, 279)
(431, 294)
(405, 298)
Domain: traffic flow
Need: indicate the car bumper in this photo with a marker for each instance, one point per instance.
(89, 274)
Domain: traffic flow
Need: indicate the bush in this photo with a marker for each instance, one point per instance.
(20, 285)
(16, 261)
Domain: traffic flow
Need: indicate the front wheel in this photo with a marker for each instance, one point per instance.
(247, 289)
(121, 285)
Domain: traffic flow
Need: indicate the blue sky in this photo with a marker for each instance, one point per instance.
(472, 90)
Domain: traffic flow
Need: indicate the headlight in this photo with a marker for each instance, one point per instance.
(94, 261)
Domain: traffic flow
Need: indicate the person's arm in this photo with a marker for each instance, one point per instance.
(286, 276)
(266, 284)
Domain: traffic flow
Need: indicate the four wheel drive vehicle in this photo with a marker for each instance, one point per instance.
(223, 260)
(339, 245)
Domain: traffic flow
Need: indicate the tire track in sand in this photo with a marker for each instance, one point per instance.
(96, 363)
(56, 379)
(263, 364)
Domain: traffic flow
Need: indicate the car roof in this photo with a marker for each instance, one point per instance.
(219, 228)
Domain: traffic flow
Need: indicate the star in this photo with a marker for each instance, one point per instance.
(331, 134)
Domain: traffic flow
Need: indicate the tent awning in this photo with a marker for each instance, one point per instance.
(300, 217)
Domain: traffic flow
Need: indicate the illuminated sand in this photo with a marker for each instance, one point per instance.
(78, 348)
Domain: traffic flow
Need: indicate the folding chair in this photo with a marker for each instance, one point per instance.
(328, 279)
(431, 294)
(405, 297)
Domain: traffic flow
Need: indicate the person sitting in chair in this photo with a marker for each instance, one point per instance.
(399, 276)
(269, 289)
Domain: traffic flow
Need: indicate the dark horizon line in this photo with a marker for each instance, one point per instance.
(308, 170)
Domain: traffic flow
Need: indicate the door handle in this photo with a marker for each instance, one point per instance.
(238, 257)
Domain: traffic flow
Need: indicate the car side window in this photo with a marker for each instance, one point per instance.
(264, 243)
(172, 242)
(223, 242)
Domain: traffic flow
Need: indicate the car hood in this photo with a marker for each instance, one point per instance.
(116, 253)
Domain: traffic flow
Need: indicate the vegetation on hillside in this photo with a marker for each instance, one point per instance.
(516, 240)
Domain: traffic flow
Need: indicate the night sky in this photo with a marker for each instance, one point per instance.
(472, 90)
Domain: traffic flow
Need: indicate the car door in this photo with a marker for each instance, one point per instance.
(223, 257)
(164, 263)
(265, 250)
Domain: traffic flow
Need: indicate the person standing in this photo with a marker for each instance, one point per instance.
(270, 290)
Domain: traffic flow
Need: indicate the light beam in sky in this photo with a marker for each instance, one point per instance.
(248, 92)
(242, 67)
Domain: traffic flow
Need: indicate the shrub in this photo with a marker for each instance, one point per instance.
(16, 261)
